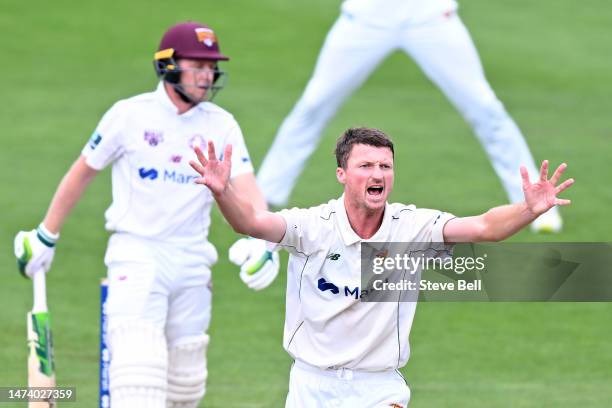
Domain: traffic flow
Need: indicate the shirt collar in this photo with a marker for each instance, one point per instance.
(164, 99)
(349, 236)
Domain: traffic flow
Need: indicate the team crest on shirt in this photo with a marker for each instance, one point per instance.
(153, 137)
(197, 140)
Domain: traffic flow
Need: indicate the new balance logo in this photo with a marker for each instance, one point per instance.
(323, 285)
(332, 256)
(147, 173)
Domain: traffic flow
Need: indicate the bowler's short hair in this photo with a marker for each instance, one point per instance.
(366, 136)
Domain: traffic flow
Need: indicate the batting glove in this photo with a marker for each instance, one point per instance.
(258, 262)
(34, 250)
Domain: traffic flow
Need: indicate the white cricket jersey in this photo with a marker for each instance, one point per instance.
(388, 13)
(332, 328)
(149, 145)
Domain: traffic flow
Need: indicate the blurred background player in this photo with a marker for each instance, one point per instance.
(429, 31)
(158, 256)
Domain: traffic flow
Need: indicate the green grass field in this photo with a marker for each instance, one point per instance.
(66, 62)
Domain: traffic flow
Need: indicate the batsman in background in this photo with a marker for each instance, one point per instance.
(159, 259)
(429, 31)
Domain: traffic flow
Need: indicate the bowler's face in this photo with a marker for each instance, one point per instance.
(368, 177)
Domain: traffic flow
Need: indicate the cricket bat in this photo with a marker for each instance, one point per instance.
(41, 367)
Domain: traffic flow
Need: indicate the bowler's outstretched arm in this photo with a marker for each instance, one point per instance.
(235, 206)
(502, 222)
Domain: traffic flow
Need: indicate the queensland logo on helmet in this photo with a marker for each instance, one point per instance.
(206, 36)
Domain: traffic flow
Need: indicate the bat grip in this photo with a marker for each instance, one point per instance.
(40, 291)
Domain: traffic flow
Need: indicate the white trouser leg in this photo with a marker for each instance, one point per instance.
(350, 52)
(445, 52)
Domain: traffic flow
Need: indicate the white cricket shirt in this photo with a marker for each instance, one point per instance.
(333, 328)
(391, 13)
(149, 145)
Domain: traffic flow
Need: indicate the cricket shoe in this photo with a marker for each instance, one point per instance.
(548, 223)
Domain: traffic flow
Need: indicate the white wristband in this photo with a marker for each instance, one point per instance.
(48, 235)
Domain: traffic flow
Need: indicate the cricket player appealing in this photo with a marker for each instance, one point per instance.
(158, 257)
(429, 31)
(347, 352)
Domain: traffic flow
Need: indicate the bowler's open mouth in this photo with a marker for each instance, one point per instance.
(375, 190)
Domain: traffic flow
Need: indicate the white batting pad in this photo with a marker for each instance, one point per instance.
(187, 371)
(138, 367)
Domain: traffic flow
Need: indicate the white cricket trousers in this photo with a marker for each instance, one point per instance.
(166, 285)
(312, 387)
(159, 308)
(443, 49)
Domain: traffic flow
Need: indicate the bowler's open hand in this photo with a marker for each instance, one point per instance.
(542, 195)
(214, 173)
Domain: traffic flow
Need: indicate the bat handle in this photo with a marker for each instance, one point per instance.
(40, 291)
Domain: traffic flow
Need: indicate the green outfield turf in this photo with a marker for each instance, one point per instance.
(66, 62)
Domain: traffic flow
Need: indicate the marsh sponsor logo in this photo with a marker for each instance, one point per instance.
(324, 286)
(150, 174)
(176, 177)
(169, 176)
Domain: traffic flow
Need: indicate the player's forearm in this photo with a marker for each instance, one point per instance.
(504, 221)
(237, 210)
(68, 194)
(247, 185)
(244, 218)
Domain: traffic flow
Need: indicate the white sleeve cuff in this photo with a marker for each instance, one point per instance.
(437, 232)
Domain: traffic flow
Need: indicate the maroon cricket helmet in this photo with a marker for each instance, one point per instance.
(192, 40)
